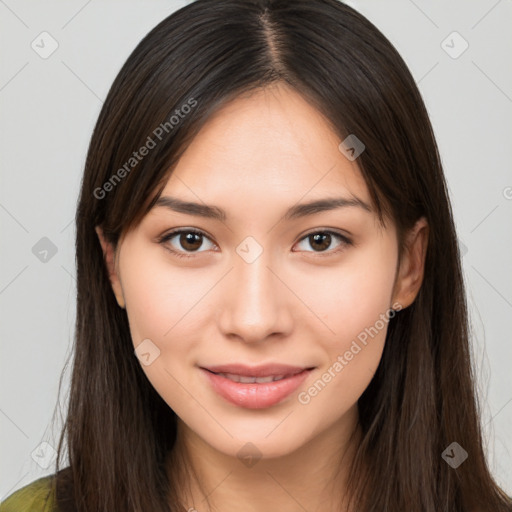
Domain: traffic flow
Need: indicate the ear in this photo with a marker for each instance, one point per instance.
(410, 274)
(109, 257)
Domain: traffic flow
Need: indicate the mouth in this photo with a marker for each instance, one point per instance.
(255, 387)
(251, 380)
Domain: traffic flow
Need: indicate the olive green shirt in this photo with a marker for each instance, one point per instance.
(34, 497)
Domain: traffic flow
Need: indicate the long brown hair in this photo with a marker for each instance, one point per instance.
(421, 399)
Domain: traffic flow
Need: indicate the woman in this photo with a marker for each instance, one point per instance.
(271, 311)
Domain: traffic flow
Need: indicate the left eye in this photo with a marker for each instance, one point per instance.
(322, 240)
(191, 240)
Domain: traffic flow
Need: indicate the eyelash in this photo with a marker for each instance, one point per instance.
(168, 236)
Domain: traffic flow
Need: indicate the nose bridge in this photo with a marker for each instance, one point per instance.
(253, 307)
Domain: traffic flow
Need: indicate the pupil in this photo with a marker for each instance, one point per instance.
(321, 237)
(188, 239)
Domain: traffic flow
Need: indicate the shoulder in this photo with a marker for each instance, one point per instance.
(37, 496)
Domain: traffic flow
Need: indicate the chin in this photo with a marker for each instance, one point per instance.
(270, 440)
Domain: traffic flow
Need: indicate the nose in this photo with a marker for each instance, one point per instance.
(255, 302)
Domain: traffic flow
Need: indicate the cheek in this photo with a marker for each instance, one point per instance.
(163, 306)
(355, 305)
(353, 296)
(162, 298)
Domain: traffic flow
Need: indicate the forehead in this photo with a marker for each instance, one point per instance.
(269, 146)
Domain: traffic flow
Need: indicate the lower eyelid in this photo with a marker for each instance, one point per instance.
(344, 241)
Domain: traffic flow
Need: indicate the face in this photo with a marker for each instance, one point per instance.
(300, 298)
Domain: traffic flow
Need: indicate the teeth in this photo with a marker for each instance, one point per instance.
(251, 380)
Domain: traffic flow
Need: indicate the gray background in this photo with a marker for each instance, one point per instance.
(49, 107)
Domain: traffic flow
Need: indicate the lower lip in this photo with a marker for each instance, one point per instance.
(254, 395)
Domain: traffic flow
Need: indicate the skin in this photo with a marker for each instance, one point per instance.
(295, 304)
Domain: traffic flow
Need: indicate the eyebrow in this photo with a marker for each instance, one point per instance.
(294, 212)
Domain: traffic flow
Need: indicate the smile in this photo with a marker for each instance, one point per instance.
(257, 387)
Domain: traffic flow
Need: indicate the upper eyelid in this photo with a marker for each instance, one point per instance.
(178, 231)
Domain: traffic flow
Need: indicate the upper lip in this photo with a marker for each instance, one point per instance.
(267, 370)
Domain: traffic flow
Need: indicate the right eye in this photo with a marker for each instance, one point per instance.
(189, 239)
